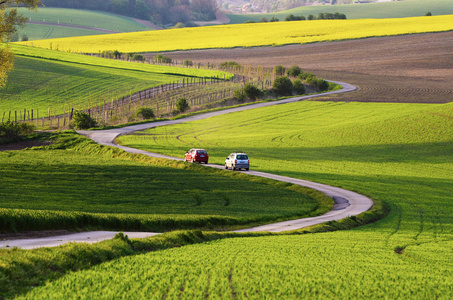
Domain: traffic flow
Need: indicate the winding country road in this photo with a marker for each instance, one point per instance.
(347, 203)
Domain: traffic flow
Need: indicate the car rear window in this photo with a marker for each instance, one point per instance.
(242, 156)
(201, 152)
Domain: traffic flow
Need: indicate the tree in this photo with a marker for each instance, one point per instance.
(182, 105)
(251, 91)
(141, 10)
(294, 71)
(279, 70)
(145, 113)
(187, 63)
(82, 120)
(298, 87)
(283, 86)
(10, 20)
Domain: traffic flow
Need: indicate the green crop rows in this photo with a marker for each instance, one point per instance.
(398, 9)
(41, 32)
(71, 188)
(326, 266)
(398, 153)
(44, 79)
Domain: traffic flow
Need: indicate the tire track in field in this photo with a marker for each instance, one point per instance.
(355, 203)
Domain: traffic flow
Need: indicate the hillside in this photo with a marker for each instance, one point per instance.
(386, 69)
(393, 9)
(382, 150)
(250, 35)
(49, 80)
(48, 23)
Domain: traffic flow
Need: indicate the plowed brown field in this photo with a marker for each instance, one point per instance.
(413, 68)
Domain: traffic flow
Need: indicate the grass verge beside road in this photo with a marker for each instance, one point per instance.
(77, 184)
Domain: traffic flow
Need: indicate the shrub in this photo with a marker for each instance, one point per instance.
(180, 25)
(116, 54)
(187, 63)
(304, 75)
(24, 38)
(248, 91)
(138, 57)
(239, 95)
(428, 14)
(82, 120)
(298, 87)
(283, 86)
(318, 83)
(279, 70)
(229, 64)
(12, 132)
(294, 71)
(160, 58)
(274, 19)
(182, 105)
(145, 113)
(251, 91)
(292, 17)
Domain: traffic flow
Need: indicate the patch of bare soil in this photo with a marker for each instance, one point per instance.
(412, 68)
(23, 145)
(221, 18)
(149, 24)
(32, 234)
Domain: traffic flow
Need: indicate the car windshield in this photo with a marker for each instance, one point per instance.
(201, 152)
(242, 156)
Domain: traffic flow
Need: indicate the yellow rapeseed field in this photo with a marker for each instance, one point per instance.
(248, 35)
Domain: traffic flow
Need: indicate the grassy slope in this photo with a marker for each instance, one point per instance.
(45, 79)
(41, 32)
(399, 153)
(77, 176)
(398, 9)
(74, 17)
(251, 35)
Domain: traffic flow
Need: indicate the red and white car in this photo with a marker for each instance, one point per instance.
(197, 155)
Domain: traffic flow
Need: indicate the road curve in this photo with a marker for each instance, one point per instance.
(347, 203)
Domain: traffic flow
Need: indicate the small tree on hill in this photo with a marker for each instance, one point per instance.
(283, 86)
(82, 120)
(294, 71)
(182, 105)
(298, 87)
(187, 63)
(279, 70)
(248, 91)
(160, 58)
(145, 113)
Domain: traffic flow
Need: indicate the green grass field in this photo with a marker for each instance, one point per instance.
(398, 153)
(41, 32)
(44, 79)
(398, 9)
(77, 180)
(74, 17)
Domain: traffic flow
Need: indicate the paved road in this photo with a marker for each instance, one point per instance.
(347, 203)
